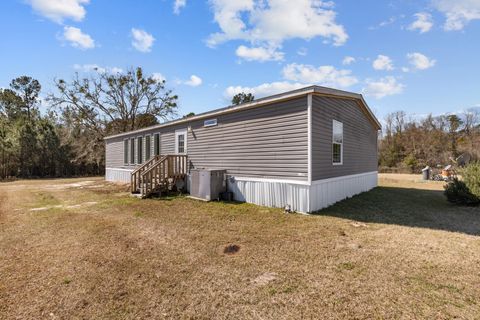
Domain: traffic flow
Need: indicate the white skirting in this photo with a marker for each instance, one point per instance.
(269, 193)
(118, 175)
(301, 196)
(324, 193)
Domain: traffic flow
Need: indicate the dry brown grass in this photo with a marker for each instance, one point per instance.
(91, 251)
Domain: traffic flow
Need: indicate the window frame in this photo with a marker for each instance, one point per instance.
(335, 123)
(156, 144)
(126, 151)
(132, 151)
(210, 123)
(177, 134)
(140, 147)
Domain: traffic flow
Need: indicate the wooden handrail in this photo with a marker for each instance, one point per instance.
(154, 176)
(159, 172)
(135, 175)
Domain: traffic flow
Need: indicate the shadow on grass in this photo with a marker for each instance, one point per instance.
(408, 207)
(174, 196)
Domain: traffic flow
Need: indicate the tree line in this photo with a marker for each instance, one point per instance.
(409, 144)
(67, 138)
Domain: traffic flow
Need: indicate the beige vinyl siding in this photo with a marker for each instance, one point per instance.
(167, 141)
(114, 152)
(359, 138)
(269, 141)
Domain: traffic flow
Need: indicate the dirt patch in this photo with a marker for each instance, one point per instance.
(63, 206)
(264, 279)
(359, 224)
(231, 249)
(74, 185)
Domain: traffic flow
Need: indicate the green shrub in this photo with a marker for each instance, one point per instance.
(411, 162)
(471, 177)
(457, 192)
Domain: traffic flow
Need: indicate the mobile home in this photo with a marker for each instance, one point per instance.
(307, 149)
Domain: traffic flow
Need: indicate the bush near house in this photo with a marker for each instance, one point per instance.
(467, 191)
(471, 176)
(457, 192)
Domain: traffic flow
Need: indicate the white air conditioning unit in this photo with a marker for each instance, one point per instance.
(207, 184)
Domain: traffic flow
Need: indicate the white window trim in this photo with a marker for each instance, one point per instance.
(210, 125)
(309, 137)
(180, 132)
(341, 144)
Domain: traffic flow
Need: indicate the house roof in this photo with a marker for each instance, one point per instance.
(316, 90)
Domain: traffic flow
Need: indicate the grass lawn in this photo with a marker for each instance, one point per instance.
(85, 249)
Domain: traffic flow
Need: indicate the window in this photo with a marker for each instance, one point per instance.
(337, 143)
(181, 141)
(210, 123)
(156, 144)
(125, 151)
(148, 148)
(132, 151)
(139, 150)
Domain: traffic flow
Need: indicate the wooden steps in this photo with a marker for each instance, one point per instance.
(158, 175)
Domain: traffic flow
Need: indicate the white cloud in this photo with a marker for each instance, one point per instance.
(178, 5)
(348, 60)
(263, 90)
(194, 81)
(423, 22)
(384, 23)
(58, 10)
(458, 12)
(89, 68)
(383, 63)
(142, 40)
(96, 68)
(267, 23)
(157, 76)
(387, 22)
(420, 61)
(299, 76)
(116, 70)
(77, 38)
(383, 87)
(302, 51)
(323, 75)
(259, 54)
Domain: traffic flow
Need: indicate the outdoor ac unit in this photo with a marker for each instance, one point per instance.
(207, 184)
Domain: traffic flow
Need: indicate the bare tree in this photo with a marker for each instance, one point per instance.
(399, 120)
(115, 98)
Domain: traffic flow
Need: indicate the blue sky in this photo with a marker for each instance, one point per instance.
(417, 56)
